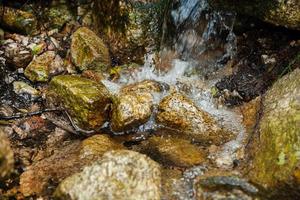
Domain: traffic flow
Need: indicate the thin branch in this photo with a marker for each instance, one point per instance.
(28, 114)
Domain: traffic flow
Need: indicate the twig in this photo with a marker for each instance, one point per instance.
(28, 114)
(77, 129)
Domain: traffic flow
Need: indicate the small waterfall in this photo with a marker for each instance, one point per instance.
(204, 40)
(203, 36)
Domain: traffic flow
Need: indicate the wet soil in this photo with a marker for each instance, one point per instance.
(264, 54)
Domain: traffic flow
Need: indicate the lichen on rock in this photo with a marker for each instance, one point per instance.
(85, 100)
(88, 51)
(277, 154)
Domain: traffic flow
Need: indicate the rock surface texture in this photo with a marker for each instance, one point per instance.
(88, 51)
(85, 100)
(119, 174)
(277, 156)
(178, 112)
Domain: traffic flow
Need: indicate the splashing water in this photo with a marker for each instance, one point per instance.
(192, 43)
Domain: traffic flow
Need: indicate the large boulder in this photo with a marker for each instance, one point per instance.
(42, 67)
(120, 174)
(178, 112)
(88, 51)
(278, 12)
(85, 100)
(67, 160)
(18, 20)
(6, 156)
(131, 110)
(276, 157)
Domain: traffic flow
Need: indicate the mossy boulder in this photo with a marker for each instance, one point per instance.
(278, 12)
(66, 161)
(120, 174)
(178, 112)
(131, 110)
(88, 51)
(42, 67)
(18, 20)
(6, 156)
(277, 155)
(86, 101)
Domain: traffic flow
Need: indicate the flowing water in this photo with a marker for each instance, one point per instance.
(204, 41)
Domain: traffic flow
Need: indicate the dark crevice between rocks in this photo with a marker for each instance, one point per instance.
(265, 53)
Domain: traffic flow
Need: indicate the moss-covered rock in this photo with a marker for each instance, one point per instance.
(278, 152)
(59, 15)
(6, 156)
(119, 174)
(42, 67)
(283, 13)
(88, 51)
(85, 100)
(18, 20)
(131, 110)
(66, 161)
(129, 26)
(178, 112)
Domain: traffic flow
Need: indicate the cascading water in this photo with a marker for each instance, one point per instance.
(187, 17)
(204, 40)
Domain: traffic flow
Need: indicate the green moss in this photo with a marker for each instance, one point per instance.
(84, 99)
(278, 153)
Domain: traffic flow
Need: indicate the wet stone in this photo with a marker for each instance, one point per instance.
(178, 112)
(121, 174)
(85, 100)
(144, 86)
(67, 160)
(225, 187)
(131, 110)
(41, 68)
(173, 151)
(276, 155)
(18, 20)
(88, 51)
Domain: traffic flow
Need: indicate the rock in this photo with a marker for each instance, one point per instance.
(276, 157)
(16, 53)
(42, 67)
(131, 110)
(129, 28)
(6, 156)
(18, 20)
(69, 159)
(85, 100)
(174, 151)
(144, 86)
(119, 174)
(88, 51)
(58, 15)
(283, 13)
(93, 75)
(225, 187)
(24, 88)
(170, 182)
(178, 112)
